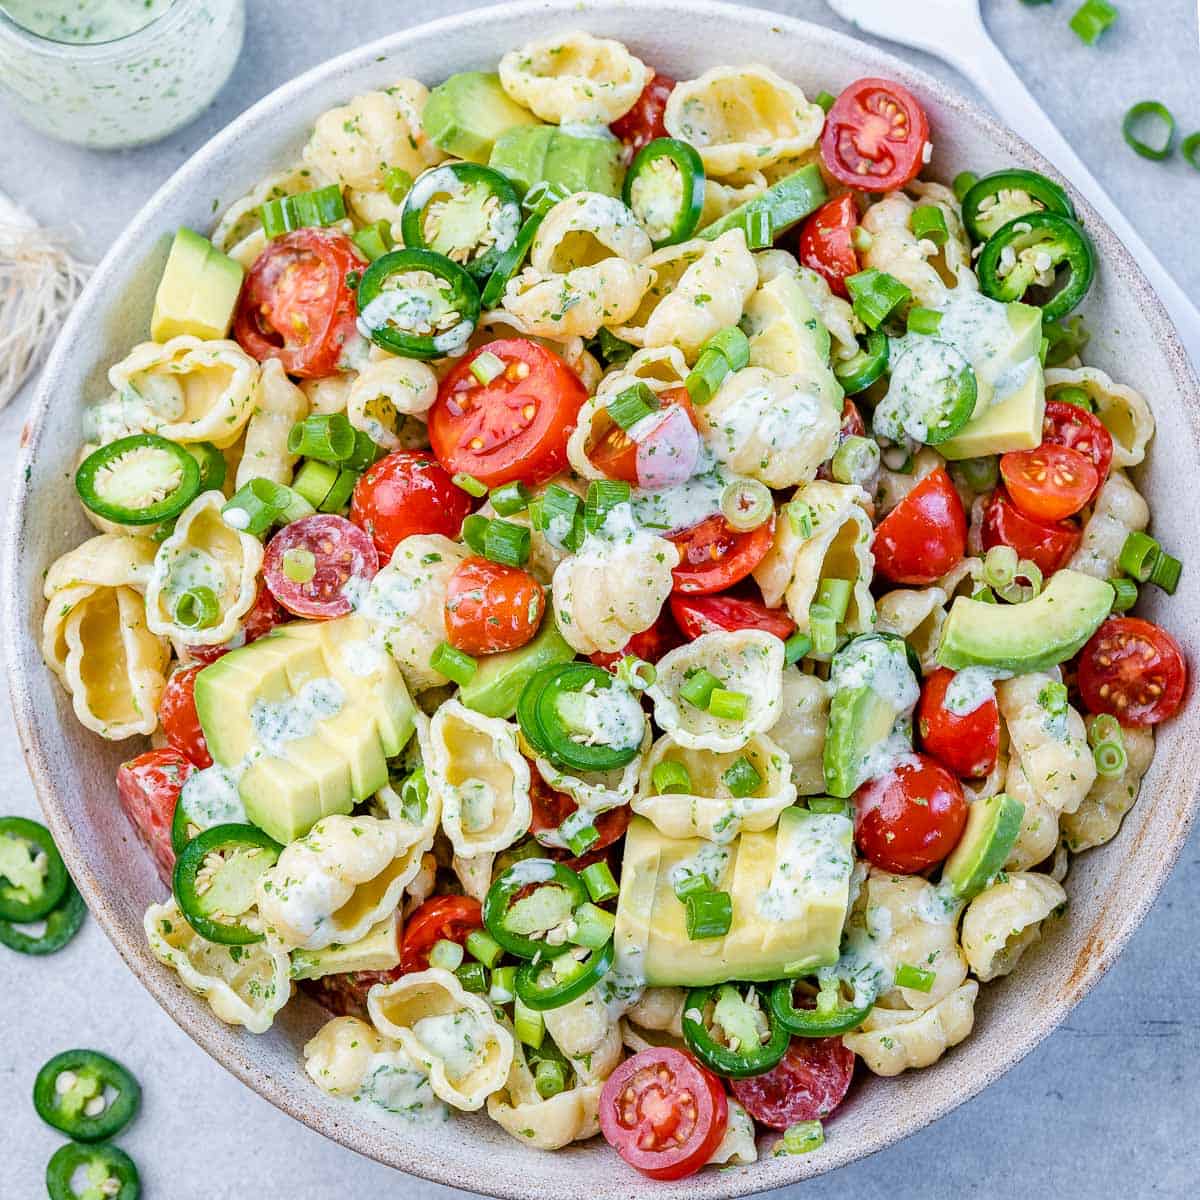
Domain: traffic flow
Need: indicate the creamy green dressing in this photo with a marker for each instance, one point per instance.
(85, 22)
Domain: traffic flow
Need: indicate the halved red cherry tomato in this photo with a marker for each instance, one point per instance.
(406, 493)
(698, 615)
(263, 616)
(1069, 425)
(967, 743)
(148, 788)
(444, 918)
(1134, 670)
(825, 243)
(714, 556)
(177, 715)
(663, 1113)
(515, 427)
(1049, 483)
(334, 550)
(296, 305)
(910, 818)
(616, 453)
(492, 607)
(1047, 544)
(649, 645)
(874, 137)
(924, 535)
(808, 1083)
(644, 121)
(551, 809)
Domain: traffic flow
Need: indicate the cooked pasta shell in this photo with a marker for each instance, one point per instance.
(1004, 920)
(894, 1040)
(800, 730)
(1099, 817)
(278, 405)
(1123, 411)
(1117, 511)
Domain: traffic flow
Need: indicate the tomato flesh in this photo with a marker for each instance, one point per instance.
(1077, 429)
(408, 492)
(924, 535)
(663, 1113)
(874, 137)
(644, 121)
(444, 918)
(826, 245)
(713, 555)
(178, 717)
(698, 615)
(341, 554)
(148, 788)
(263, 616)
(1047, 544)
(1133, 670)
(910, 818)
(649, 645)
(810, 1081)
(967, 743)
(551, 809)
(515, 427)
(616, 453)
(1049, 483)
(491, 607)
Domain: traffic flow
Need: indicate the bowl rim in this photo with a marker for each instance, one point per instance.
(37, 742)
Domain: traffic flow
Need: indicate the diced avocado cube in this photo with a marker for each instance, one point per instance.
(227, 690)
(1009, 422)
(377, 950)
(545, 154)
(992, 828)
(198, 291)
(282, 799)
(500, 678)
(466, 114)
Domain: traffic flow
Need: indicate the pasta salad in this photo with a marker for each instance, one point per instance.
(629, 587)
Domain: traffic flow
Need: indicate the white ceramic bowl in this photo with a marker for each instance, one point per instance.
(1110, 889)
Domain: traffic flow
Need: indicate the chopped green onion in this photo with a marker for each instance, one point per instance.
(446, 955)
(1091, 19)
(796, 647)
(324, 206)
(835, 595)
(1191, 150)
(1138, 555)
(1166, 573)
(506, 542)
(636, 673)
(453, 663)
(1067, 338)
(1017, 592)
(414, 796)
(800, 518)
(374, 240)
(543, 196)
(197, 608)
(1126, 594)
(299, 565)
(875, 296)
(759, 233)
(485, 366)
(698, 686)
(632, 405)
(669, 776)
(484, 947)
(964, 181)
(339, 495)
(366, 453)
(473, 977)
(733, 346)
(728, 706)
(1053, 698)
(924, 320)
(802, 1138)
(826, 100)
(593, 927)
(528, 1024)
(598, 879)
(504, 985)
(549, 1078)
(1075, 396)
(562, 516)
(828, 804)
(582, 840)
(746, 504)
(1105, 728)
(1157, 121)
(603, 495)
(920, 979)
(474, 531)
(705, 378)
(977, 474)
(822, 628)
(612, 349)
(984, 595)
(1110, 759)
(327, 437)
(708, 915)
(510, 498)
(688, 884)
(929, 222)
(469, 484)
(1000, 566)
(397, 183)
(260, 503)
(314, 481)
(856, 460)
(741, 778)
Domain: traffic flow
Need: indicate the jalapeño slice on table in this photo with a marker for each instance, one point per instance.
(33, 878)
(72, 1093)
(109, 1172)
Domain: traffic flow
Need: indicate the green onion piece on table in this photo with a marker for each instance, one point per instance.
(1091, 19)
(1150, 119)
(1190, 149)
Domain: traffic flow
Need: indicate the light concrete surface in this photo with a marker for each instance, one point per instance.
(1105, 1106)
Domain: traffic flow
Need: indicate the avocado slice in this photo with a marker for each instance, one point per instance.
(466, 114)
(198, 290)
(993, 826)
(546, 154)
(1033, 636)
(500, 678)
(1013, 422)
(874, 693)
(377, 950)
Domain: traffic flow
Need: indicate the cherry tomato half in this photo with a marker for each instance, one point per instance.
(336, 553)
(924, 535)
(296, 305)
(551, 809)
(406, 493)
(649, 645)
(825, 242)
(177, 715)
(515, 427)
(713, 555)
(1069, 425)
(910, 818)
(875, 136)
(644, 121)
(492, 607)
(807, 1084)
(967, 743)
(698, 615)
(1134, 670)
(148, 788)
(1047, 544)
(616, 453)
(663, 1113)
(1049, 483)
(444, 918)
(263, 616)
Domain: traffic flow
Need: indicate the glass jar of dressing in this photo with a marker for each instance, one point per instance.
(109, 73)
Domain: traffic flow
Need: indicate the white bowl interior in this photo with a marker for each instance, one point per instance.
(1110, 889)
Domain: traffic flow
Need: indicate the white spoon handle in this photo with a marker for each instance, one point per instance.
(982, 62)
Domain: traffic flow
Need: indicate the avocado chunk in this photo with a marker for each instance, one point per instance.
(500, 678)
(1010, 422)
(545, 154)
(789, 888)
(466, 114)
(1033, 636)
(993, 826)
(377, 950)
(781, 206)
(198, 291)
(874, 693)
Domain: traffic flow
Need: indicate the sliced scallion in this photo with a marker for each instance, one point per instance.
(603, 495)
(669, 776)
(549, 1078)
(506, 542)
(630, 406)
(510, 498)
(1126, 594)
(1091, 19)
(453, 663)
(822, 628)
(446, 955)
(929, 223)
(1110, 759)
(470, 485)
(746, 504)
(708, 915)
(582, 840)
(796, 647)
(875, 296)
(834, 594)
(802, 1138)
(856, 460)
(482, 946)
(964, 181)
(486, 366)
(197, 608)
(473, 976)
(314, 481)
(920, 979)
(800, 518)
(598, 879)
(825, 99)
(397, 183)
(636, 673)
(326, 437)
(1190, 149)
(924, 320)
(474, 531)
(1000, 566)
(299, 565)
(742, 778)
(1138, 555)
(698, 686)
(1149, 118)
(728, 706)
